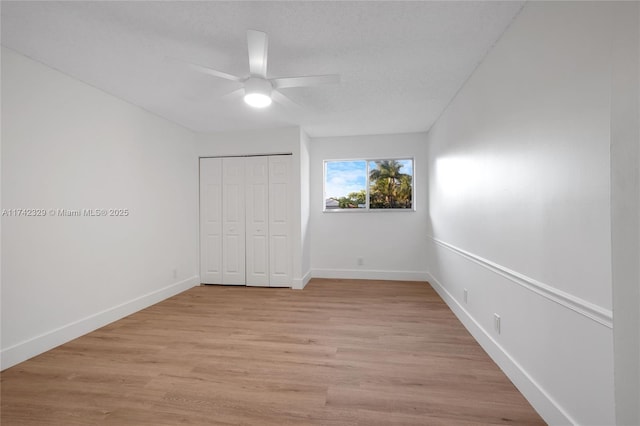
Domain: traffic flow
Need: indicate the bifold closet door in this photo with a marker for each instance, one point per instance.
(222, 222)
(257, 220)
(245, 221)
(280, 221)
(211, 220)
(233, 221)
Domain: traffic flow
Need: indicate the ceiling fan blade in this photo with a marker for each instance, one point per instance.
(233, 95)
(284, 101)
(257, 42)
(215, 73)
(312, 80)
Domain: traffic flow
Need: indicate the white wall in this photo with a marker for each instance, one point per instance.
(305, 208)
(520, 210)
(284, 140)
(66, 145)
(625, 209)
(269, 141)
(389, 242)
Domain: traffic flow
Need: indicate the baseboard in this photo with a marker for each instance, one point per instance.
(35, 346)
(301, 283)
(370, 274)
(549, 409)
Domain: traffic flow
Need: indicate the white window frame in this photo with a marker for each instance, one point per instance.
(367, 208)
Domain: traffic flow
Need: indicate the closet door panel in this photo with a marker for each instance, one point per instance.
(211, 220)
(280, 221)
(257, 221)
(233, 221)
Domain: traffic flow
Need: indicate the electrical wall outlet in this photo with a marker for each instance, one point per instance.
(496, 323)
(466, 295)
(360, 261)
(175, 272)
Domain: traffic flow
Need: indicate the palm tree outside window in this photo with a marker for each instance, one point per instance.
(357, 185)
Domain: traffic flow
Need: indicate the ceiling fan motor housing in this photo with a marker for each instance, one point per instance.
(257, 85)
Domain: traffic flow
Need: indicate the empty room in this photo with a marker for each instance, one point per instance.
(320, 213)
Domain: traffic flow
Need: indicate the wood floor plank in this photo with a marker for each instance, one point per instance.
(340, 352)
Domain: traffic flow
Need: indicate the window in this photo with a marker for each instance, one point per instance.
(385, 184)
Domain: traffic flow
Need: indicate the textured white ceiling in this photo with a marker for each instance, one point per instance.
(400, 62)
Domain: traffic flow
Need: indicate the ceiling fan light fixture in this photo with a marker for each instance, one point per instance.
(260, 91)
(257, 92)
(257, 100)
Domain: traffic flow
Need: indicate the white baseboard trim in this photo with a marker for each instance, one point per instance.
(576, 304)
(306, 278)
(39, 344)
(370, 274)
(546, 406)
(301, 283)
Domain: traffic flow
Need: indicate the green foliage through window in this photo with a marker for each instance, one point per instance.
(390, 186)
(369, 184)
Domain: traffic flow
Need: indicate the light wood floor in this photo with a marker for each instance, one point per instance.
(337, 353)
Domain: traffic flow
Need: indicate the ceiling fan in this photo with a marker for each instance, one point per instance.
(259, 90)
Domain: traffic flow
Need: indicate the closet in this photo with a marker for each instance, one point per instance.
(245, 221)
